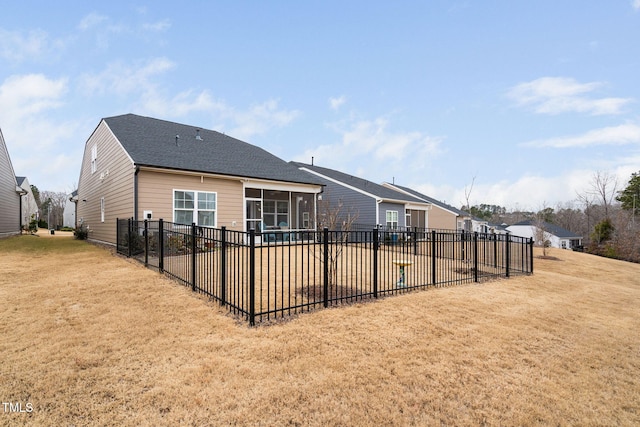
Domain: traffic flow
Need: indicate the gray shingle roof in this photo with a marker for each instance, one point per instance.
(361, 184)
(152, 142)
(432, 200)
(556, 230)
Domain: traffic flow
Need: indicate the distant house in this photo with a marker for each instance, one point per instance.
(69, 213)
(441, 215)
(10, 195)
(29, 206)
(146, 168)
(373, 203)
(557, 236)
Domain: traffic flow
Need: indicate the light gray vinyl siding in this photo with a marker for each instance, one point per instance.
(9, 198)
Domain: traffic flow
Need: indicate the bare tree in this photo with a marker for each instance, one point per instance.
(467, 195)
(340, 220)
(52, 207)
(542, 236)
(603, 188)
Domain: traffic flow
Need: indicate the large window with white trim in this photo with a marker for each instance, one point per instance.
(392, 219)
(195, 206)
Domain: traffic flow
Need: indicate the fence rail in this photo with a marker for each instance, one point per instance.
(261, 280)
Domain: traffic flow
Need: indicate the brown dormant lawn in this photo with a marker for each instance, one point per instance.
(89, 338)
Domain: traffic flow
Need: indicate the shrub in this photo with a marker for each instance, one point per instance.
(81, 233)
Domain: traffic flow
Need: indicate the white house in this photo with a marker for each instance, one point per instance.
(69, 214)
(28, 202)
(557, 236)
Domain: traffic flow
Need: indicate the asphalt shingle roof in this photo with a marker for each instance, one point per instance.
(556, 230)
(361, 184)
(432, 200)
(152, 142)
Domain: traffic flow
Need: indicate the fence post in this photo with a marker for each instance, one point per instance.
(223, 266)
(193, 256)
(507, 251)
(146, 243)
(495, 250)
(252, 277)
(161, 245)
(375, 262)
(475, 256)
(433, 257)
(415, 240)
(325, 233)
(530, 247)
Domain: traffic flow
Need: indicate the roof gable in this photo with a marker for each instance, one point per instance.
(361, 184)
(429, 199)
(169, 145)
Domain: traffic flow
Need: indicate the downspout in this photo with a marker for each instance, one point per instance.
(135, 193)
(20, 213)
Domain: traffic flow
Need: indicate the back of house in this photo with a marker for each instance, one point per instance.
(10, 194)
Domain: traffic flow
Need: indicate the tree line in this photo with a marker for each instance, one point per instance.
(604, 215)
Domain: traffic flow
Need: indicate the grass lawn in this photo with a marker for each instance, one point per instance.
(89, 338)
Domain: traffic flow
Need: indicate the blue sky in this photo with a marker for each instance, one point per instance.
(527, 100)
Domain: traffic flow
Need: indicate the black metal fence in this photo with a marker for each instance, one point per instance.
(263, 281)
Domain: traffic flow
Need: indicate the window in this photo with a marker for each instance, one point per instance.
(392, 219)
(102, 209)
(275, 212)
(94, 159)
(191, 206)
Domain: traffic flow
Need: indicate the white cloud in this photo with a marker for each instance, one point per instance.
(25, 95)
(17, 47)
(260, 118)
(613, 135)
(635, 4)
(28, 106)
(371, 150)
(159, 26)
(119, 78)
(555, 95)
(91, 20)
(336, 103)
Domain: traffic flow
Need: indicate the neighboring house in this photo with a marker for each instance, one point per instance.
(69, 213)
(557, 236)
(29, 205)
(145, 168)
(10, 195)
(441, 215)
(372, 203)
(498, 228)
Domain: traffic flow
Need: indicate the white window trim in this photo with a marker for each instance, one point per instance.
(94, 158)
(102, 209)
(393, 213)
(195, 206)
